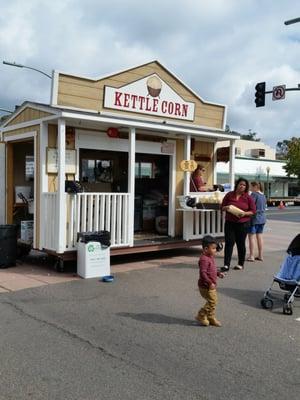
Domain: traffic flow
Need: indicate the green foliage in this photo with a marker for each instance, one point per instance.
(246, 136)
(250, 136)
(292, 166)
(282, 149)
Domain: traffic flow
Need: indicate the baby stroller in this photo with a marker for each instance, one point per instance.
(288, 279)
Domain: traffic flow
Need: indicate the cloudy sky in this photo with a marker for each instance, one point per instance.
(219, 48)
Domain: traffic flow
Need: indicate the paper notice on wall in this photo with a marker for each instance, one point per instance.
(52, 161)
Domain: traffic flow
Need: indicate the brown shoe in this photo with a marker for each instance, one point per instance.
(214, 322)
(202, 320)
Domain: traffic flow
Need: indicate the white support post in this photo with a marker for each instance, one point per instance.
(2, 183)
(131, 184)
(61, 198)
(232, 163)
(214, 166)
(187, 156)
(43, 180)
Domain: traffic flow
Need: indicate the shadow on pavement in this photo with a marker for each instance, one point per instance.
(179, 266)
(252, 298)
(158, 319)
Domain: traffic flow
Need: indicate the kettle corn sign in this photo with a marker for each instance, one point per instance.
(149, 95)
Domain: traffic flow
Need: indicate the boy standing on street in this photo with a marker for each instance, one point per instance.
(207, 282)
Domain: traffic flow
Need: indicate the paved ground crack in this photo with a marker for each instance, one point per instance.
(166, 381)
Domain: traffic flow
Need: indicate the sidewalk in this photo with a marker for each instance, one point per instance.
(29, 275)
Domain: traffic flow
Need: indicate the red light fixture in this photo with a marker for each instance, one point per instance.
(113, 132)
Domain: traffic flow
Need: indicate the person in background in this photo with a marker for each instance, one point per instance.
(258, 221)
(207, 282)
(236, 225)
(197, 183)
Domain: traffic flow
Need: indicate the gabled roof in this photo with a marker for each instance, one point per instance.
(45, 109)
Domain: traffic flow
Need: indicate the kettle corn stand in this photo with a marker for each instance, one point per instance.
(121, 138)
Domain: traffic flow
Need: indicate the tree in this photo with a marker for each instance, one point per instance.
(282, 149)
(246, 136)
(250, 136)
(292, 166)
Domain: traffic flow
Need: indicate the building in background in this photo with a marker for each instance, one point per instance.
(255, 160)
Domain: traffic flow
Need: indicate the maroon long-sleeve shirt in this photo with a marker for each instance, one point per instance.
(244, 202)
(207, 271)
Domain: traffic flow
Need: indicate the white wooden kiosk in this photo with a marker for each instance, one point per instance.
(123, 137)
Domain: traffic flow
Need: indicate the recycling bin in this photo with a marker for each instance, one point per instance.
(93, 254)
(8, 245)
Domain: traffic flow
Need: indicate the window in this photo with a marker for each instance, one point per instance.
(237, 151)
(144, 170)
(96, 170)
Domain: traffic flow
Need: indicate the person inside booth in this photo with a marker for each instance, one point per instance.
(197, 183)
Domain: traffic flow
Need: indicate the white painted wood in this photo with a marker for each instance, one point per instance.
(161, 127)
(172, 193)
(35, 193)
(113, 220)
(61, 195)
(214, 164)
(187, 156)
(198, 223)
(100, 141)
(28, 123)
(125, 232)
(131, 184)
(231, 163)
(19, 136)
(119, 219)
(43, 177)
(90, 213)
(2, 183)
(54, 88)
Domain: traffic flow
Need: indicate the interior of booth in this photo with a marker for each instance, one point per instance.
(107, 172)
(21, 188)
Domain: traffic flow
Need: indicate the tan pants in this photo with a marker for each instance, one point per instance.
(211, 297)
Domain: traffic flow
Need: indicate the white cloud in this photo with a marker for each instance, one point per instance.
(219, 48)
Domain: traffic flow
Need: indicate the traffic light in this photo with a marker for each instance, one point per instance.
(260, 94)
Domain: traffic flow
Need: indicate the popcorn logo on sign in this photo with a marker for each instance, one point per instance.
(188, 165)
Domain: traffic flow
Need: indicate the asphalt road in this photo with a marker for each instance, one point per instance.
(135, 338)
(291, 213)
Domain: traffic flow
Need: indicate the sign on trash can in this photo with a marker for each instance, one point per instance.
(93, 259)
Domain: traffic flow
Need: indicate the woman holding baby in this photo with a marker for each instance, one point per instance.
(239, 207)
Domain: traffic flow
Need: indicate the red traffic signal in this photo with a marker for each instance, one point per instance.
(260, 94)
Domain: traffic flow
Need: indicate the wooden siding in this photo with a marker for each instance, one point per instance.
(88, 94)
(28, 114)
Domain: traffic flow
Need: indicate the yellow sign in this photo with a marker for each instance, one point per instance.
(188, 165)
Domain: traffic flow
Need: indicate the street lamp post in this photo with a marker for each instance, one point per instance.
(292, 21)
(268, 187)
(4, 110)
(14, 64)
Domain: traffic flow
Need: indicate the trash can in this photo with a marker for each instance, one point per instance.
(8, 245)
(93, 254)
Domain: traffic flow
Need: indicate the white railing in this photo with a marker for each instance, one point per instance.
(48, 228)
(198, 223)
(98, 212)
(86, 212)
